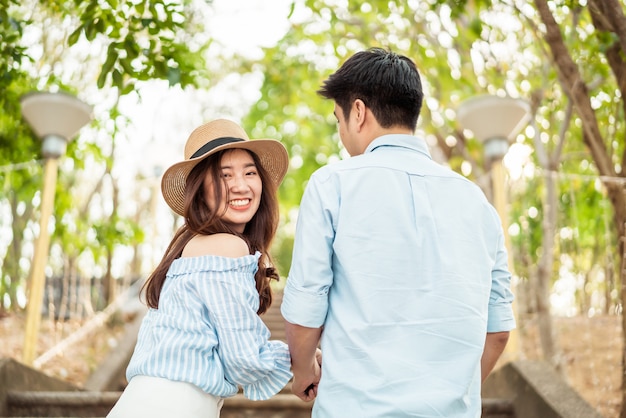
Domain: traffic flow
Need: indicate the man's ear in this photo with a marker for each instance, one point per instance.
(358, 110)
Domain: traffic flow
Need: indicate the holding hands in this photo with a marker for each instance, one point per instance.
(305, 384)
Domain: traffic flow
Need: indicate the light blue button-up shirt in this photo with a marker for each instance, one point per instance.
(207, 331)
(403, 262)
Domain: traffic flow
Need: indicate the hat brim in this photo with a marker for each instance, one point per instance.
(272, 156)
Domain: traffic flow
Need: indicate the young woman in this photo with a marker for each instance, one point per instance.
(202, 337)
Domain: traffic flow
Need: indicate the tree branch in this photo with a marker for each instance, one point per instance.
(608, 16)
(576, 89)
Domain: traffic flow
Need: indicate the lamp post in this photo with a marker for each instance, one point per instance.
(55, 118)
(495, 121)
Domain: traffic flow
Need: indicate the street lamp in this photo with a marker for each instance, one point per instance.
(55, 118)
(495, 121)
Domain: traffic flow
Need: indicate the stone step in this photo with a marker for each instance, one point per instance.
(98, 404)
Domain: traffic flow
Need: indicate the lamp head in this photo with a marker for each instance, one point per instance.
(494, 119)
(55, 118)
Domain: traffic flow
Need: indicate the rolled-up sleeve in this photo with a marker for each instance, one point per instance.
(305, 298)
(500, 315)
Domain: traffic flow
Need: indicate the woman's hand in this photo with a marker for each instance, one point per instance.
(305, 387)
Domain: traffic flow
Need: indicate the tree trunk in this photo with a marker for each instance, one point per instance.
(109, 283)
(544, 276)
(11, 272)
(609, 283)
(622, 281)
(73, 298)
(608, 17)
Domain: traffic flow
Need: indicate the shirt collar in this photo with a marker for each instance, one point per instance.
(400, 140)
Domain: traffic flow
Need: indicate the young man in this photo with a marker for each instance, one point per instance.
(399, 264)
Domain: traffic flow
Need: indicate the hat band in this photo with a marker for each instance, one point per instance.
(214, 144)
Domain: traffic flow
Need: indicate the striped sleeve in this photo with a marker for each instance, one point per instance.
(260, 366)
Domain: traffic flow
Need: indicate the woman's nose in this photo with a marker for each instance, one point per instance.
(238, 183)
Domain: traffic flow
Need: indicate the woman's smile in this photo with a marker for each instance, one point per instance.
(239, 203)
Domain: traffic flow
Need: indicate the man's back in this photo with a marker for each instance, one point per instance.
(415, 252)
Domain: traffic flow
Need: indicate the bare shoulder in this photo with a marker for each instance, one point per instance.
(224, 245)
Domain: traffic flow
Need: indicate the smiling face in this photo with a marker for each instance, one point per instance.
(241, 189)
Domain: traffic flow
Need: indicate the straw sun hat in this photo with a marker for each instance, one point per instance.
(216, 136)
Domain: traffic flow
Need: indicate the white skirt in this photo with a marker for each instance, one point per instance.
(156, 397)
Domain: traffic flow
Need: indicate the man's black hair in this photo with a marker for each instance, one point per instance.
(388, 83)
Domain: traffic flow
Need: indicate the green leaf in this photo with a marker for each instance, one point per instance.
(108, 65)
(74, 36)
(118, 79)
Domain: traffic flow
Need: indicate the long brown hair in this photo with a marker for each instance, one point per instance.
(201, 220)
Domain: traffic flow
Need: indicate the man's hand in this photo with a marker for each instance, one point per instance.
(305, 383)
(495, 343)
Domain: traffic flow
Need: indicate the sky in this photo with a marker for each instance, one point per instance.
(246, 24)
